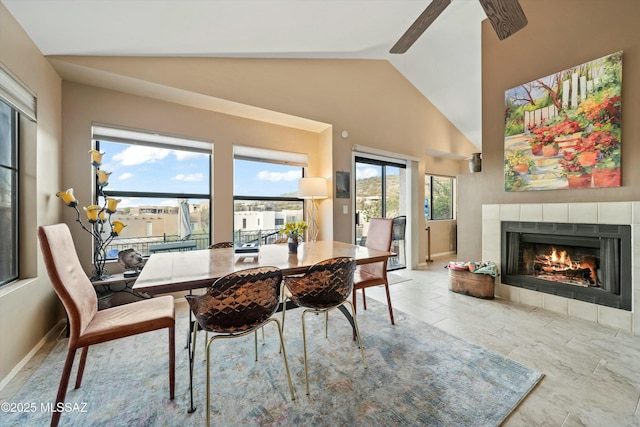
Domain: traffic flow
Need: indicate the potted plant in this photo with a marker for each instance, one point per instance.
(578, 176)
(294, 231)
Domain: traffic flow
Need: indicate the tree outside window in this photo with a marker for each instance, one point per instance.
(439, 197)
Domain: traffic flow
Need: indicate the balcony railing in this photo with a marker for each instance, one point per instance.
(241, 237)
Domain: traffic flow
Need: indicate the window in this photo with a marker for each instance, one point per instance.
(157, 180)
(265, 188)
(8, 194)
(17, 104)
(439, 195)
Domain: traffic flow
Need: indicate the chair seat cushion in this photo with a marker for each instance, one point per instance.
(362, 279)
(129, 319)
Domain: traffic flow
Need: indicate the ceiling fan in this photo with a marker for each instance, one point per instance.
(506, 17)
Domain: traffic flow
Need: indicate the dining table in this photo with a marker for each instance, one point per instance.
(170, 272)
(187, 270)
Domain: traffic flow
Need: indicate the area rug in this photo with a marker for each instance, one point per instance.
(417, 375)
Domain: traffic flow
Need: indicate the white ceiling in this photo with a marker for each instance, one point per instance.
(444, 64)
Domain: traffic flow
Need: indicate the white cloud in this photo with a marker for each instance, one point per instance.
(279, 176)
(186, 155)
(367, 173)
(138, 154)
(125, 176)
(189, 177)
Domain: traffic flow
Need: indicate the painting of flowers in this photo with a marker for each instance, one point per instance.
(563, 131)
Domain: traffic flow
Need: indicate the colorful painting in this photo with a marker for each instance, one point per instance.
(563, 131)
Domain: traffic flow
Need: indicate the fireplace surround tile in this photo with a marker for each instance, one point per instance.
(509, 212)
(555, 212)
(531, 212)
(555, 303)
(490, 212)
(607, 213)
(583, 310)
(531, 297)
(614, 213)
(585, 213)
(615, 318)
(635, 212)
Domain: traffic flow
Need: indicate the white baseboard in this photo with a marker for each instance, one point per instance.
(52, 334)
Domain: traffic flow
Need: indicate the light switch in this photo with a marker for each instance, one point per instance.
(345, 209)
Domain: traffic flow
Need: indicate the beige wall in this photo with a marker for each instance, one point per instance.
(560, 34)
(83, 105)
(368, 98)
(29, 308)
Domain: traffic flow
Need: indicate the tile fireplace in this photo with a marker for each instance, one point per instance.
(588, 283)
(587, 262)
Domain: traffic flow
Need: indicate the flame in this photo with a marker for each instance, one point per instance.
(561, 260)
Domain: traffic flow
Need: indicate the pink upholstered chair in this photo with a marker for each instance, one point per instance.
(89, 326)
(374, 274)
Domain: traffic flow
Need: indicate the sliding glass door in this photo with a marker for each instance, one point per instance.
(380, 192)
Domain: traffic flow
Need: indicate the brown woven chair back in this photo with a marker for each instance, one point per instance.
(221, 245)
(239, 301)
(326, 284)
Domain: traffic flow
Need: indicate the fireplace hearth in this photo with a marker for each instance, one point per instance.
(587, 262)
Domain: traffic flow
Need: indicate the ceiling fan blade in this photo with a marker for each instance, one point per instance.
(416, 29)
(506, 16)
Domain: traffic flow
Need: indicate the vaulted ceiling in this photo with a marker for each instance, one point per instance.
(444, 64)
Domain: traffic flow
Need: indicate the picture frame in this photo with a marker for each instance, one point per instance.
(343, 185)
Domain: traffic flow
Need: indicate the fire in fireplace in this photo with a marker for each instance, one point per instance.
(557, 266)
(589, 262)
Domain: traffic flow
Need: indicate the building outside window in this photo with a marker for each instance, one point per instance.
(265, 194)
(150, 175)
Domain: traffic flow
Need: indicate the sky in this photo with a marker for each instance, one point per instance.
(143, 168)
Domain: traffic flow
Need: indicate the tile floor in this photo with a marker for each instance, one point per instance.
(592, 372)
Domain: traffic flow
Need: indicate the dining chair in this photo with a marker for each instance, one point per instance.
(325, 286)
(226, 245)
(221, 245)
(87, 325)
(236, 305)
(378, 237)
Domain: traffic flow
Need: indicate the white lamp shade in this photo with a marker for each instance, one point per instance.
(312, 188)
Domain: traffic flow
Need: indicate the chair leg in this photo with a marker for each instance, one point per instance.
(304, 347)
(326, 324)
(284, 356)
(208, 357)
(172, 362)
(364, 299)
(255, 343)
(386, 287)
(354, 300)
(83, 361)
(62, 388)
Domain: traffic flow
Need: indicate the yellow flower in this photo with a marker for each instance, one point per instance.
(294, 229)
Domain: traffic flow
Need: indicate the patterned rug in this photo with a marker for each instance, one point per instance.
(418, 375)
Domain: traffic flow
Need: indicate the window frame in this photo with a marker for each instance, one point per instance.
(156, 194)
(14, 172)
(429, 179)
(269, 159)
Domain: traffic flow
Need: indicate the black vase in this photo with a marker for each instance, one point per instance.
(293, 246)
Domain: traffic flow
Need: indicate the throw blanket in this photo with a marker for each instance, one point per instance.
(480, 267)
